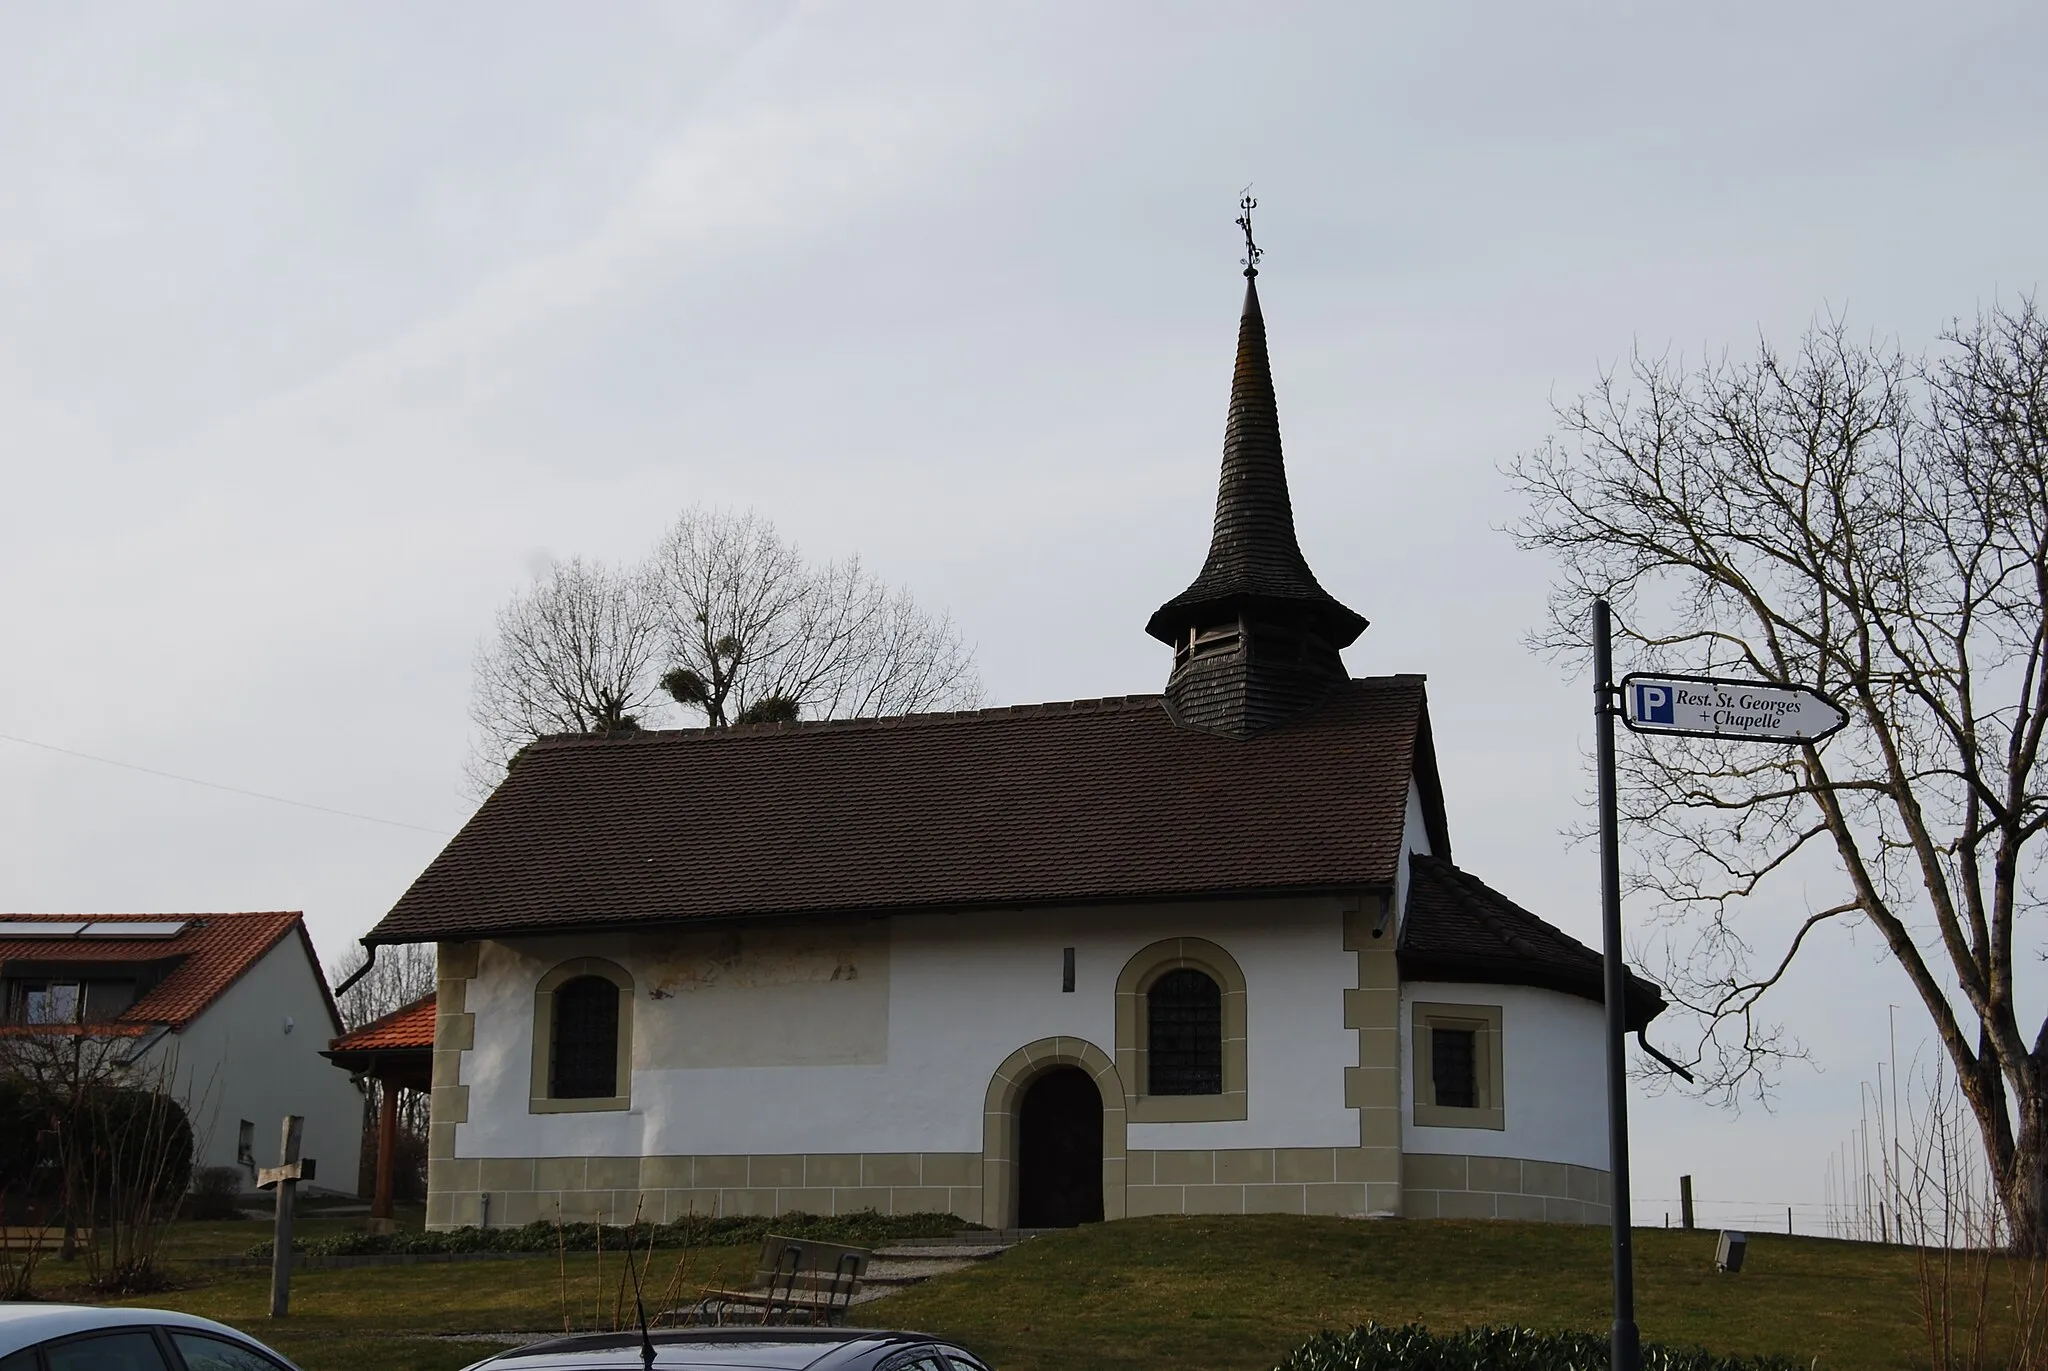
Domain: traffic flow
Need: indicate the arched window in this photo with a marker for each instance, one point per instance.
(1184, 1034)
(585, 1062)
(582, 1038)
(1181, 1029)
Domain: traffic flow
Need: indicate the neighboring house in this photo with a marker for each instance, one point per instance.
(1203, 951)
(232, 1008)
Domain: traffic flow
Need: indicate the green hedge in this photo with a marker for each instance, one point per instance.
(1414, 1348)
(863, 1229)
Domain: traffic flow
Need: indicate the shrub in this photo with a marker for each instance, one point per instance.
(1412, 1347)
(864, 1229)
(21, 1144)
(216, 1194)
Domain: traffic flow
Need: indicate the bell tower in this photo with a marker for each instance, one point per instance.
(1255, 639)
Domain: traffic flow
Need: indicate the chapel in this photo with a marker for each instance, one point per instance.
(1200, 951)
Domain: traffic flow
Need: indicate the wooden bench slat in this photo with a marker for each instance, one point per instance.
(798, 1277)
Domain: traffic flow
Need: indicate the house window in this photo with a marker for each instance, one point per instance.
(51, 1001)
(1180, 1033)
(582, 1038)
(1457, 1066)
(1184, 1035)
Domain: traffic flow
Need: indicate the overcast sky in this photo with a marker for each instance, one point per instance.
(321, 327)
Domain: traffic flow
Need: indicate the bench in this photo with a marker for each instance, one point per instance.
(797, 1281)
(39, 1239)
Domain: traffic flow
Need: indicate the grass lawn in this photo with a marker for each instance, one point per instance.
(1207, 1294)
(1235, 1293)
(344, 1320)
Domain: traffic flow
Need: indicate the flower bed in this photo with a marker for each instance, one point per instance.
(864, 1229)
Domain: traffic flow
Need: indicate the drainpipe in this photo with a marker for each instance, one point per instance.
(359, 972)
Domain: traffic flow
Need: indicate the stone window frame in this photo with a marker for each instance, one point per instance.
(539, 1099)
(1132, 1024)
(1488, 1073)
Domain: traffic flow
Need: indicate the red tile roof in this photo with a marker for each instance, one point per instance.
(1461, 929)
(1097, 800)
(410, 1026)
(211, 954)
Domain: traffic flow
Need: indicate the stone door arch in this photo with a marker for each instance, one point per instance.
(999, 1123)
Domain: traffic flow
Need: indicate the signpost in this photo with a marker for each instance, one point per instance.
(1714, 707)
(1693, 707)
(285, 1178)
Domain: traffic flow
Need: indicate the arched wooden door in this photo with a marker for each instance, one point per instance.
(1059, 1150)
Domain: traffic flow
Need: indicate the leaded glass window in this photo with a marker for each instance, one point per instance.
(1184, 1034)
(586, 1047)
(1454, 1067)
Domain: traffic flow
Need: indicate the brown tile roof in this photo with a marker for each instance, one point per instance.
(397, 1049)
(1095, 800)
(1460, 929)
(211, 953)
(409, 1026)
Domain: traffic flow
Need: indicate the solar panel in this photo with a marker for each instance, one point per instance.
(40, 928)
(134, 928)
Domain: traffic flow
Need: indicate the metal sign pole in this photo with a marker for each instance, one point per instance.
(1627, 1346)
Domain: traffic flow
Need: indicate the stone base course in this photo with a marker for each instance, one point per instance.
(1437, 1186)
(665, 1189)
(1258, 1180)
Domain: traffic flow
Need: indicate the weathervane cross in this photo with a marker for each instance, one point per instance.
(1252, 251)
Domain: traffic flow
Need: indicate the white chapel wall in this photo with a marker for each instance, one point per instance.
(235, 1061)
(1414, 838)
(767, 1043)
(1553, 1076)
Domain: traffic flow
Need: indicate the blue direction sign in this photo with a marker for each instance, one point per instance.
(1713, 707)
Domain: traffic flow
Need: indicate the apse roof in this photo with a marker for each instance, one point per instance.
(1460, 929)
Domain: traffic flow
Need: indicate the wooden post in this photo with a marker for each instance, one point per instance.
(1685, 1201)
(387, 1147)
(284, 1178)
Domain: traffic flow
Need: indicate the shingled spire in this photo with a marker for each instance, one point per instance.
(1255, 639)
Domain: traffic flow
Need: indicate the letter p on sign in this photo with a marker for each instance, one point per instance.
(1653, 704)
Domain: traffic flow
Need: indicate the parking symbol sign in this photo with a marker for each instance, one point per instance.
(1654, 704)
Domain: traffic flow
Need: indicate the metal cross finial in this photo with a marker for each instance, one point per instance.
(1252, 251)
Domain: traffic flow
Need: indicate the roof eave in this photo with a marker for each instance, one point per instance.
(1377, 886)
(1644, 1003)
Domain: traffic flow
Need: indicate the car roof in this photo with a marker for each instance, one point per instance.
(25, 1325)
(768, 1349)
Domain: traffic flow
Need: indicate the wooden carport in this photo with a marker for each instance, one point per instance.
(396, 1051)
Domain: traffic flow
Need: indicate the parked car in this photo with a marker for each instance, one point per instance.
(734, 1349)
(75, 1337)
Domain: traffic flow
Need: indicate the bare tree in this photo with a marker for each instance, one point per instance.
(727, 620)
(573, 653)
(1847, 518)
(755, 634)
(121, 1142)
(401, 974)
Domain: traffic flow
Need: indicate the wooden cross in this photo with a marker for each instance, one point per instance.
(285, 1178)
